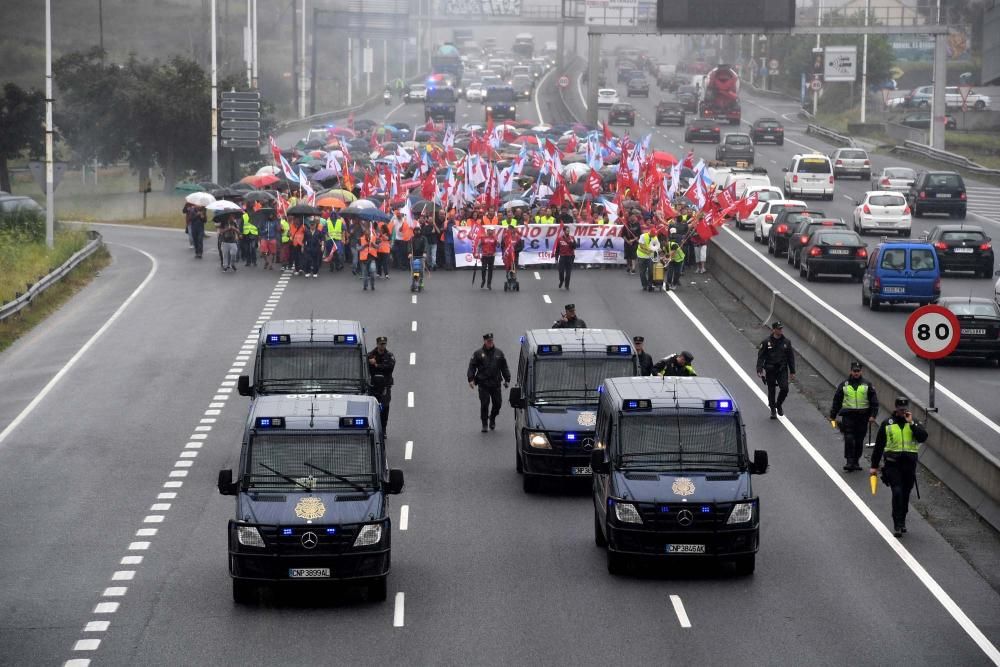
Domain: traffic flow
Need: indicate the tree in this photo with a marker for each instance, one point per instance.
(22, 117)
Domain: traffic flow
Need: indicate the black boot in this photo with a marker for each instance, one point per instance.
(774, 415)
(898, 529)
(493, 423)
(847, 465)
(484, 427)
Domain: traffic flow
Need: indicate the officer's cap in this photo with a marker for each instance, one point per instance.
(381, 340)
(777, 325)
(856, 366)
(570, 306)
(638, 339)
(487, 336)
(902, 402)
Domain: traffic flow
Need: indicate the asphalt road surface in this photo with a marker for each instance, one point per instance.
(114, 545)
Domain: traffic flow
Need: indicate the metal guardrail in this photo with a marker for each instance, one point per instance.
(319, 118)
(11, 307)
(944, 156)
(829, 134)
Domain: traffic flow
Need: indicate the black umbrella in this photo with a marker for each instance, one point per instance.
(421, 206)
(362, 124)
(262, 196)
(261, 215)
(303, 209)
(371, 215)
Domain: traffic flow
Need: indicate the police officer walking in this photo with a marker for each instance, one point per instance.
(487, 368)
(645, 361)
(381, 363)
(898, 437)
(856, 403)
(678, 365)
(775, 362)
(569, 320)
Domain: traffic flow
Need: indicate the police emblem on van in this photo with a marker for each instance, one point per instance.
(586, 418)
(682, 486)
(313, 508)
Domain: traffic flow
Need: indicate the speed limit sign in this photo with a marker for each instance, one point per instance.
(932, 332)
(564, 82)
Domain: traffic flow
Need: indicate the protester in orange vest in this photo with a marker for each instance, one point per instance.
(404, 235)
(296, 236)
(384, 249)
(367, 252)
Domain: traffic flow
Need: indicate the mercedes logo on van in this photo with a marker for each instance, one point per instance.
(310, 540)
(684, 518)
(588, 444)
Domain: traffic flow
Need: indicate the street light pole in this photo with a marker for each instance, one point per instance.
(864, 64)
(253, 83)
(50, 189)
(302, 64)
(215, 102)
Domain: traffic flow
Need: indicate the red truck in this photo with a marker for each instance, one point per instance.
(720, 98)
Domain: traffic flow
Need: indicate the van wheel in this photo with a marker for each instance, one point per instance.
(244, 592)
(789, 256)
(616, 563)
(377, 590)
(598, 533)
(770, 247)
(529, 483)
(745, 565)
(798, 260)
(873, 302)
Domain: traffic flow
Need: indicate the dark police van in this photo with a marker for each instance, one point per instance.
(440, 103)
(672, 476)
(309, 357)
(311, 494)
(555, 398)
(501, 103)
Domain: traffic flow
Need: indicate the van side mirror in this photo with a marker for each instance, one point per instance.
(599, 462)
(244, 387)
(759, 465)
(395, 484)
(516, 399)
(226, 485)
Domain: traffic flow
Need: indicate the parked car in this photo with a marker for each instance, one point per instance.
(809, 174)
(833, 252)
(785, 226)
(702, 129)
(938, 192)
(901, 272)
(975, 101)
(764, 217)
(14, 203)
(736, 149)
(804, 230)
(979, 322)
(764, 195)
(896, 179)
(852, 162)
(637, 87)
(922, 121)
(622, 113)
(607, 98)
(669, 112)
(963, 248)
(768, 129)
(882, 211)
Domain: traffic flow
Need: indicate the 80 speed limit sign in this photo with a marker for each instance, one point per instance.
(932, 332)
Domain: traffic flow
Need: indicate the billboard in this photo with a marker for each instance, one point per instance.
(840, 63)
(480, 7)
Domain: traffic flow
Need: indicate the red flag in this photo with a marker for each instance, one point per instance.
(705, 229)
(593, 184)
(607, 132)
(571, 144)
(429, 125)
(373, 141)
(347, 180)
(667, 210)
(428, 187)
(275, 151)
(688, 160)
(746, 206)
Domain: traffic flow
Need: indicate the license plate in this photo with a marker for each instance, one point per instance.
(973, 332)
(768, 136)
(963, 250)
(582, 470)
(943, 195)
(838, 251)
(685, 548)
(309, 572)
(894, 290)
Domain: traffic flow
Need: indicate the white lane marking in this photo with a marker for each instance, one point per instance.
(413, 325)
(123, 575)
(394, 110)
(106, 607)
(538, 109)
(166, 495)
(130, 560)
(538, 276)
(904, 555)
(114, 591)
(682, 616)
(146, 532)
(992, 425)
(138, 546)
(83, 662)
(409, 450)
(579, 90)
(546, 298)
(153, 518)
(40, 396)
(404, 517)
(409, 399)
(397, 612)
(193, 445)
(86, 644)
(413, 299)
(161, 507)
(96, 626)
(848, 198)
(413, 358)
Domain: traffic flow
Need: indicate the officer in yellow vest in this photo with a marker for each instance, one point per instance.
(248, 242)
(545, 217)
(644, 253)
(855, 406)
(898, 439)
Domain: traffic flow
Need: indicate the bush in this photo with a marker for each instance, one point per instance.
(22, 226)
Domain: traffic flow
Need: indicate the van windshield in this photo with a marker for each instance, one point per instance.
(576, 378)
(312, 369)
(679, 442)
(317, 460)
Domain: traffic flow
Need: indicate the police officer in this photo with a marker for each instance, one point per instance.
(487, 368)
(897, 438)
(381, 362)
(676, 365)
(856, 403)
(645, 361)
(569, 320)
(775, 361)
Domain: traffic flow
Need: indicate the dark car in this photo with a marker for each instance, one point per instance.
(637, 87)
(785, 226)
(688, 97)
(979, 320)
(803, 231)
(702, 129)
(500, 103)
(669, 83)
(837, 252)
(439, 104)
(621, 114)
(736, 150)
(937, 192)
(963, 248)
(669, 112)
(625, 72)
(922, 121)
(768, 129)
(523, 86)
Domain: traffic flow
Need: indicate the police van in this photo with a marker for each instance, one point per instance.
(308, 357)
(672, 475)
(311, 494)
(555, 398)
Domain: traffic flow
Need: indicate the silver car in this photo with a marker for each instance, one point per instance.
(894, 179)
(851, 162)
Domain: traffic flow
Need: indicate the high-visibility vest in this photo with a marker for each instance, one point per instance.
(297, 233)
(384, 247)
(678, 254)
(856, 399)
(284, 231)
(338, 229)
(366, 251)
(508, 222)
(600, 221)
(545, 220)
(405, 232)
(643, 251)
(391, 227)
(899, 439)
(487, 220)
(249, 229)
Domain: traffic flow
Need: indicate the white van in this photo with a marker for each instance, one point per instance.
(809, 175)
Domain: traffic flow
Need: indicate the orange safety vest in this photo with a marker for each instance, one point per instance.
(487, 220)
(365, 252)
(384, 248)
(298, 235)
(405, 232)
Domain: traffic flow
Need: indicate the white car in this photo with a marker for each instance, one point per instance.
(809, 174)
(895, 179)
(764, 195)
(417, 91)
(474, 93)
(764, 216)
(607, 98)
(882, 211)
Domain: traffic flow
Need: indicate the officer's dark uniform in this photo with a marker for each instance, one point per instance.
(487, 369)
(384, 364)
(645, 361)
(775, 360)
(571, 321)
(856, 403)
(898, 440)
(670, 365)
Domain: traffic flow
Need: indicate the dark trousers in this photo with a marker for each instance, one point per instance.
(313, 257)
(674, 270)
(645, 271)
(198, 237)
(486, 395)
(384, 399)
(565, 269)
(899, 474)
(382, 263)
(249, 250)
(399, 260)
(297, 259)
(855, 435)
(776, 378)
(486, 271)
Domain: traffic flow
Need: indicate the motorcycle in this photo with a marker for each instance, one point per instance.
(387, 97)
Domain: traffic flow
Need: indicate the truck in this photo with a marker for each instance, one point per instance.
(720, 95)
(524, 46)
(448, 60)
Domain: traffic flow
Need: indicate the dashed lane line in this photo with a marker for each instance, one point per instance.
(682, 616)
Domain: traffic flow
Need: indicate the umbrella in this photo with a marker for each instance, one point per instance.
(262, 196)
(663, 159)
(224, 206)
(318, 154)
(200, 199)
(421, 206)
(346, 195)
(324, 174)
(525, 139)
(360, 205)
(362, 124)
(331, 202)
(576, 168)
(516, 203)
(371, 215)
(245, 187)
(268, 170)
(181, 188)
(303, 209)
(343, 132)
(260, 181)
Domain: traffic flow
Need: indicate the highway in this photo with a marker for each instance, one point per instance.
(115, 536)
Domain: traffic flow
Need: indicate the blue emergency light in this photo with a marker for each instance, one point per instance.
(270, 422)
(278, 339)
(345, 339)
(354, 422)
(331, 531)
(705, 509)
(550, 349)
(719, 405)
(286, 531)
(619, 349)
(571, 437)
(633, 404)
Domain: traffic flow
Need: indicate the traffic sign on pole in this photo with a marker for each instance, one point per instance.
(564, 81)
(964, 90)
(240, 119)
(932, 332)
(816, 85)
